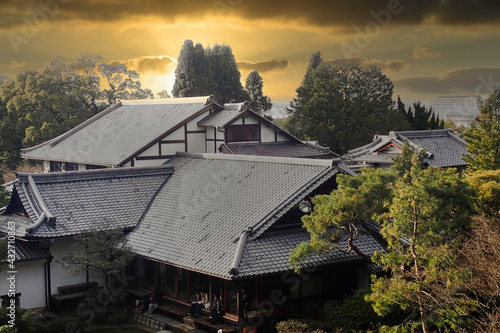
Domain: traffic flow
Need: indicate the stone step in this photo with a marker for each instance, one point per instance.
(156, 321)
(183, 328)
(189, 321)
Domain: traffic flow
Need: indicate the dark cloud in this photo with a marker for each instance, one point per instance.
(389, 65)
(148, 64)
(329, 13)
(462, 81)
(420, 53)
(263, 66)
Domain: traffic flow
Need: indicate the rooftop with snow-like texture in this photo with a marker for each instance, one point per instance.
(444, 148)
(113, 136)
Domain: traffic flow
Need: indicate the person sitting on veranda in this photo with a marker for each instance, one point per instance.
(196, 305)
(153, 303)
(220, 311)
(213, 307)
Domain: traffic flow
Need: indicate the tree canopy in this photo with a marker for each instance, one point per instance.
(40, 104)
(483, 137)
(343, 105)
(420, 118)
(254, 85)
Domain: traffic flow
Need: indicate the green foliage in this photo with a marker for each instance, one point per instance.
(361, 197)
(343, 106)
(421, 118)
(40, 104)
(103, 251)
(253, 86)
(193, 76)
(226, 75)
(487, 186)
(65, 324)
(483, 137)
(4, 195)
(295, 326)
(24, 322)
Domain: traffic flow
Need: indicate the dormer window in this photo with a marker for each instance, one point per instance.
(238, 133)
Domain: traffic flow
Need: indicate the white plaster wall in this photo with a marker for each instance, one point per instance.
(282, 138)
(266, 133)
(251, 121)
(193, 124)
(196, 143)
(60, 276)
(178, 134)
(151, 151)
(210, 132)
(172, 148)
(210, 147)
(30, 282)
(146, 163)
(238, 122)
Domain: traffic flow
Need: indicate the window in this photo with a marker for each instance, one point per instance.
(238, 133)
(92, 167)
(70, 166)
(55, 166)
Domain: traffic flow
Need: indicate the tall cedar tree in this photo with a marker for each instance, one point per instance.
(193, 76)
(4, 195)
(226, 75)
(344, 105)
(483, 137)
(422, 118)
(258, 102)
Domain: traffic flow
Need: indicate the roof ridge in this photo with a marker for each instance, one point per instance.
(75, 129)
(256, 158)
(175, 100)
(95, 174)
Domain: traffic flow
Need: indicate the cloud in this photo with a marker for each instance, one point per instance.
(322, 13)
(148, 64)
(420, 53)
(389, 65)
(263, 66)
(15, 65)
(461, 81)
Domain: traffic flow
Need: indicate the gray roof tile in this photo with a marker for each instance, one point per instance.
(195, 220)
(220, 118)
(280, 149)
(125, 128)
(85, 200)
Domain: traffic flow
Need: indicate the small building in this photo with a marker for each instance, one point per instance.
(443, 148)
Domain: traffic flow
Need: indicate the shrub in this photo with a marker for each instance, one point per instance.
(65, 324)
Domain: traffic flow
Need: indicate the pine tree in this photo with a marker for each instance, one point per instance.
(253, 86)
(483, 137)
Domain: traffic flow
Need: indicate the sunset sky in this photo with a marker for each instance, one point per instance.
(428, 48)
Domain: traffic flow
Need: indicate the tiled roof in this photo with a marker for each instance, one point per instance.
(117, 133)
(269, 254)
(220, 118)
(197, 217)
(280, 149)
(86, 200)
(444, 148)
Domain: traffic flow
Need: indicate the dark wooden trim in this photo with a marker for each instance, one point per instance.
(172, 141)
(159, 148)
(221, 140)
(275, 135)
(243, 120)
(215, 140)
(260, 131)
(185, 138)
(132, 162)
(146, 158)
(171, 130)
(193, 132)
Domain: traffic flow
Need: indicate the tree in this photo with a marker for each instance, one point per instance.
(4, 195)
(104, 252)
(424, 213)
(427, 220)
(226, 75)
(343, 106)
(193, 76)
(421, 118)
(483, 137)
(40, 104)
(162, 94)
(253, 86)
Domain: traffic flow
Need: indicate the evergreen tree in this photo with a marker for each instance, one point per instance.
(184, 85)
(4, 195)
(226, 76)
(483, 137)
(343, 106)
(253, 86)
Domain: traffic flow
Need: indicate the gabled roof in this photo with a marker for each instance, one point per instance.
(443, 147)
(269, 254)
(67, 203)
(114, 136)
(198, 216)
(230, 113)
(279, 149)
